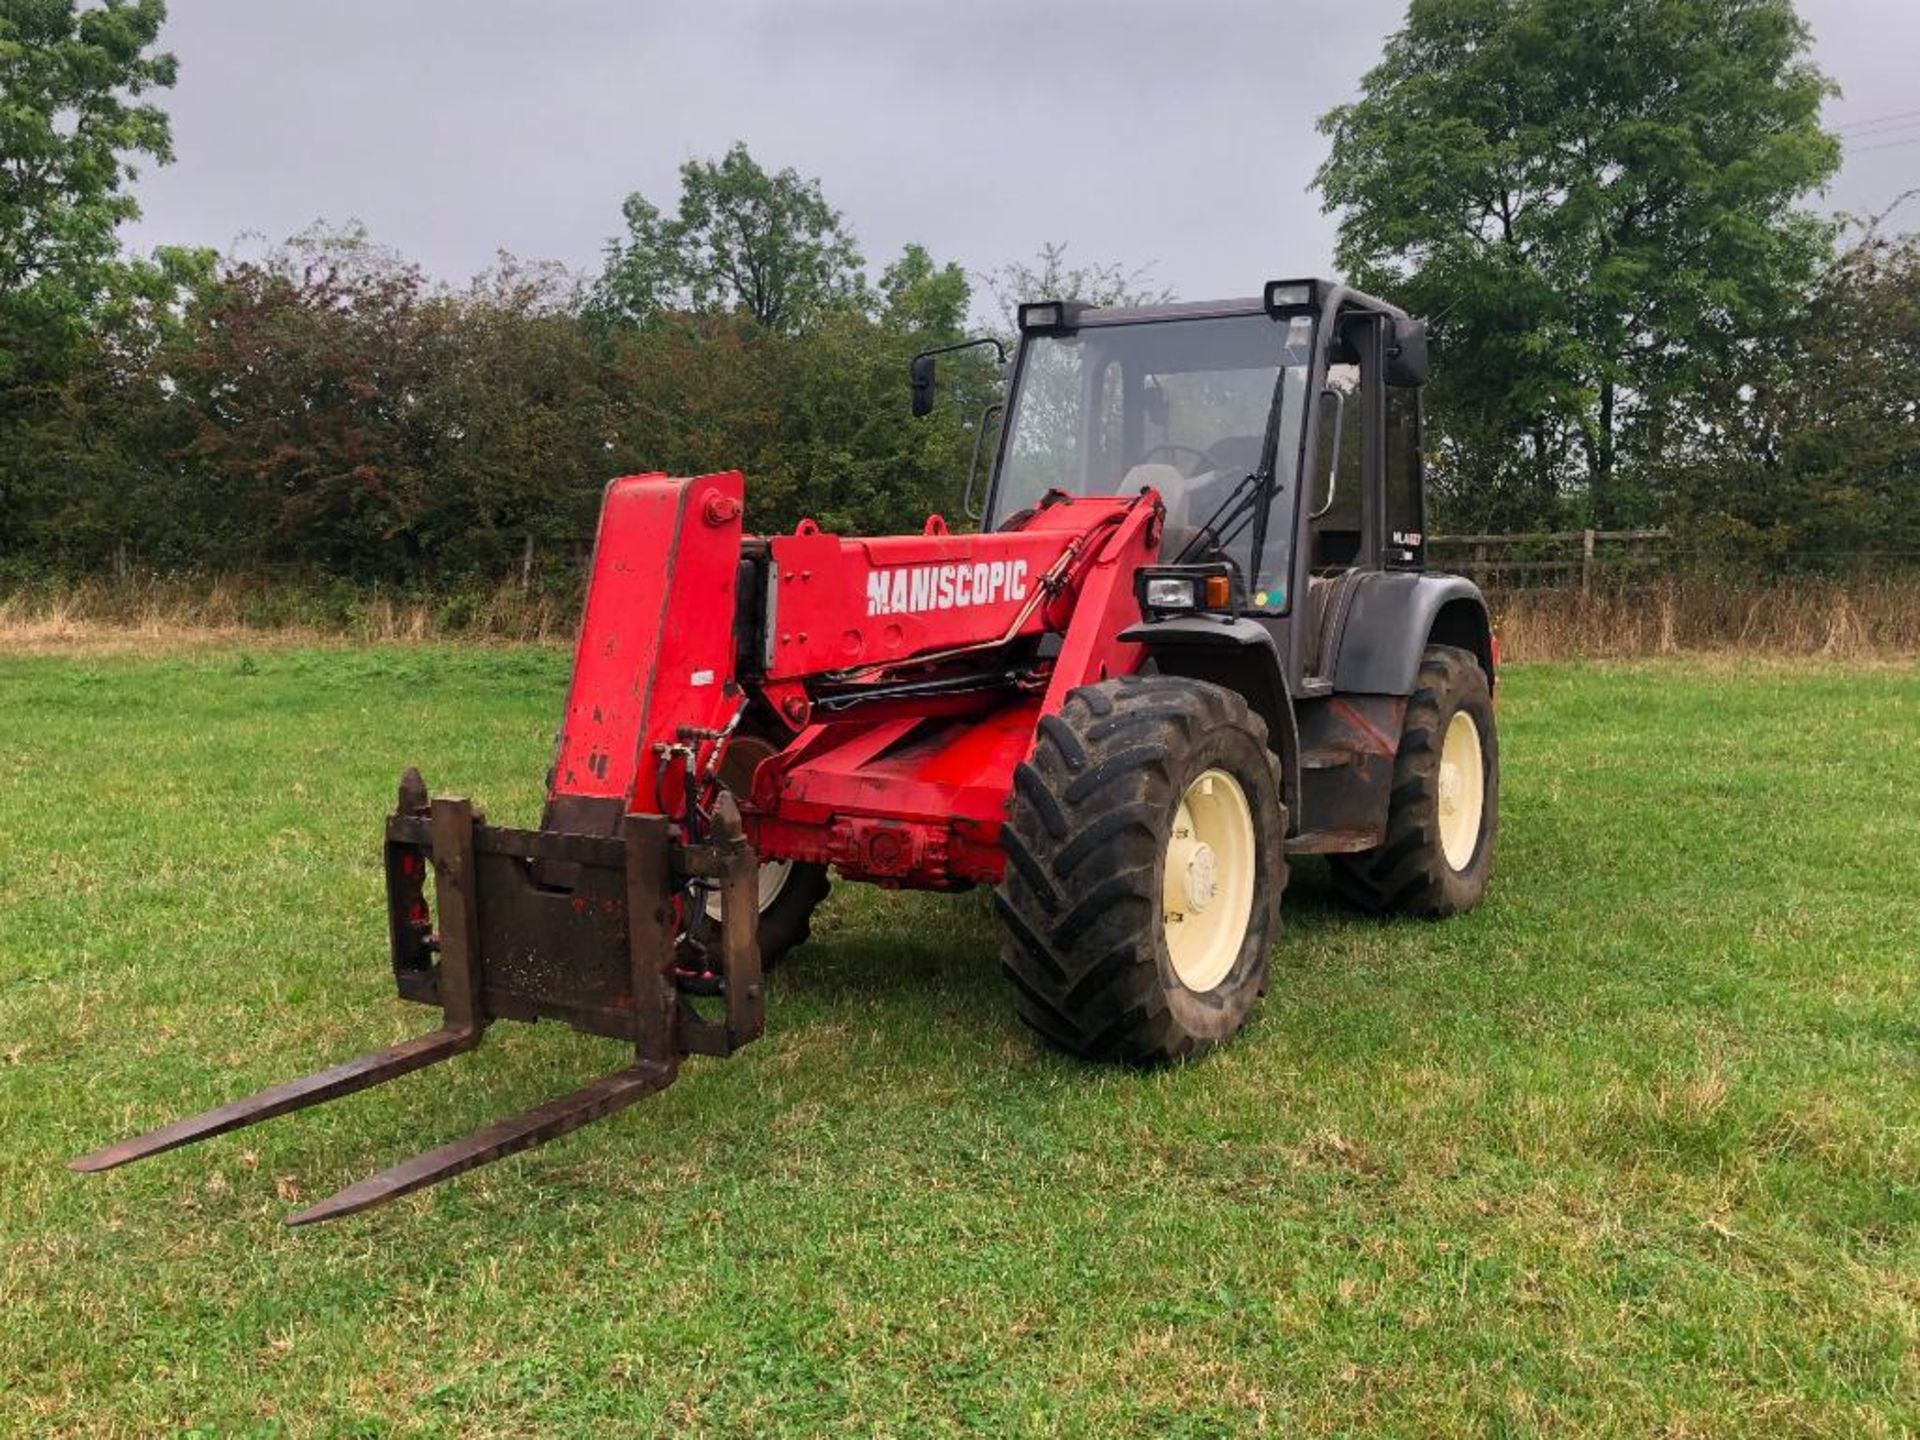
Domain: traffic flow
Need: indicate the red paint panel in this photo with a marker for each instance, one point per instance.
(840, 602)
(1104, 606)
(656, 637)
(918, 800)
(942, 785)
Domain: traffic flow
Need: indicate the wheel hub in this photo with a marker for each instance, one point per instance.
(744, 756)
(1200, 877)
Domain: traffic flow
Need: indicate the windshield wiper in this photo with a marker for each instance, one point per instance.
(1229, 518)
(1241, 503)
(1269, 460)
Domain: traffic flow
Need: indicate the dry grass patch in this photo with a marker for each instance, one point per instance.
(1827, 619)
(1853, 621)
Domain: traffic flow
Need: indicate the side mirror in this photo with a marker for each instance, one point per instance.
(1407, 354)
(920, 369)
(920, 377)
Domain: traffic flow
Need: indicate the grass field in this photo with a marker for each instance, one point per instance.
(1633, 1149)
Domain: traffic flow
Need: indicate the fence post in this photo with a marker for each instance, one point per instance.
(1586, 562)
(526, 565)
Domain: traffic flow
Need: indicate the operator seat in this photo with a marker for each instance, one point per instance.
(1193, 499)
(1176, 488)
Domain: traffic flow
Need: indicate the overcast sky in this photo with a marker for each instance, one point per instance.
(1176, 133)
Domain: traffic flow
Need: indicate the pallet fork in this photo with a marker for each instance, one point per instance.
(532, 924)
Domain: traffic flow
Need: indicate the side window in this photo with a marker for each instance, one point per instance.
(1406, 544)
(1335, 487)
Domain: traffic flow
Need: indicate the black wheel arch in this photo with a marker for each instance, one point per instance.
(1236, 654)
(1395, 616)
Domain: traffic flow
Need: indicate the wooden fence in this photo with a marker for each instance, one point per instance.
(1549, 559)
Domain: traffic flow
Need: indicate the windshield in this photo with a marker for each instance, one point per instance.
(1181, 405)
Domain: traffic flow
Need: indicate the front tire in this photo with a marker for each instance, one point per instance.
(1144, 870)
(1445, 812)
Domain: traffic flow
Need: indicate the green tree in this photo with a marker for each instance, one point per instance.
(818, 422)
(72, 126)
(305, 376)
(923, 298)
(331, 408)
(1594, 203)
(92, 455)
(1806, 454)
(522, 444)
(70, 130)
(1049, 276)
(741, 239)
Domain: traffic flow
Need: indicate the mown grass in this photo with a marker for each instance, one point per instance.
(1630, 1150)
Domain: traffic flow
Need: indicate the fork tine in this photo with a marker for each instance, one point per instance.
(288, 1095)
(493, 1142)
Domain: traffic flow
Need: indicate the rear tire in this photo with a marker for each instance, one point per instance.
(1144, 870)
(1445, 811)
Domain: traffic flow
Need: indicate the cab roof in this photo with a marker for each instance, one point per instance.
(1332, 292)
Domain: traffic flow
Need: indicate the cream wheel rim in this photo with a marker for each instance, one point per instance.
(1463, 790)
(1207, 888)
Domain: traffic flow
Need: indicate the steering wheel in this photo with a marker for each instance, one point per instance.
(1206, 460)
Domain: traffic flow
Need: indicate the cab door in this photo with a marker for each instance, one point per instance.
(1343, 493)
(1403, 483)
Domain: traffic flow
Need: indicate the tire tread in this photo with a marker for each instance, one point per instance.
(1407, 872)
(1078, 902)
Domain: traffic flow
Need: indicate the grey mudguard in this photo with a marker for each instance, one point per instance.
(1395, 616)
(1238, 655)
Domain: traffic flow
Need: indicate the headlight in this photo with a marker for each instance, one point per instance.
(1284, 295)
(1185, 590)
(1171, 592)
(1046, 317)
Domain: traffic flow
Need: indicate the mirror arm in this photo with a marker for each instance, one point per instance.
(999, 347)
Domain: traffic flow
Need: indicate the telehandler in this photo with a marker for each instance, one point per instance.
(1194, 634)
